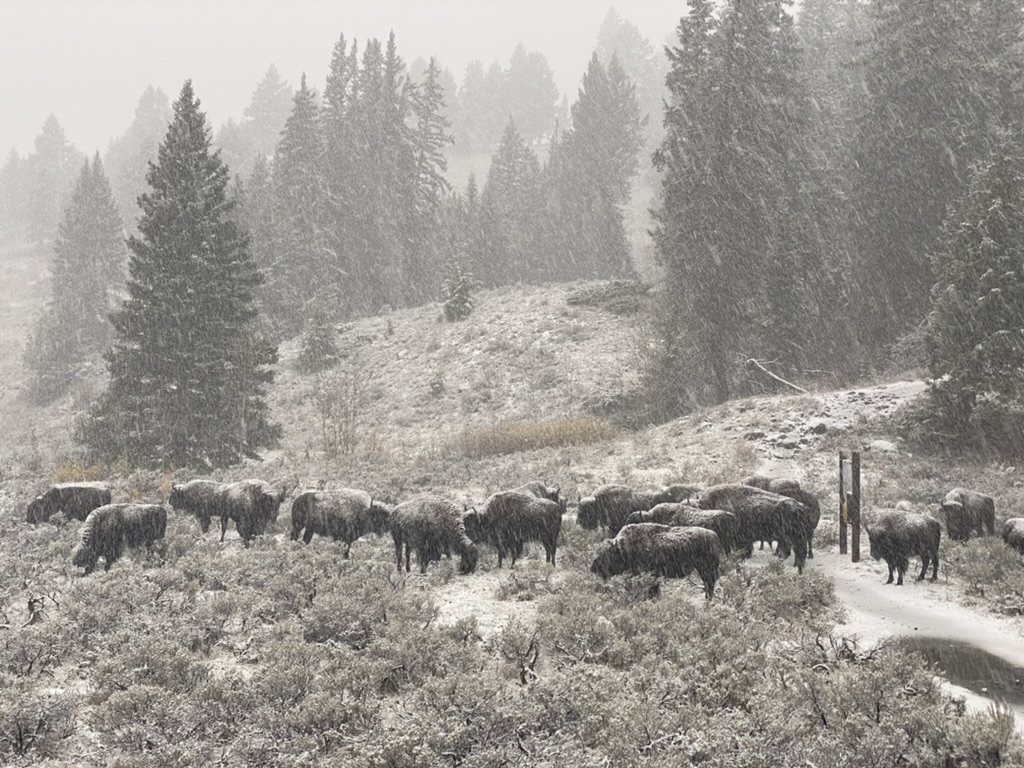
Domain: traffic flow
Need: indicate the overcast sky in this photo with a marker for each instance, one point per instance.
(88, 61)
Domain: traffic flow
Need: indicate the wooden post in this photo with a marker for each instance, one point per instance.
(842, 505)
(854, 509)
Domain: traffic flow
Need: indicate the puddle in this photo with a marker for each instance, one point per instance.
(967, 666)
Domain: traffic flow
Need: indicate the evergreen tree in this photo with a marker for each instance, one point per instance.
(976, 326)
(591, 170)
(511, 208)
(646, 67)
(128, 157)
(304, 273)
(732, 222)
(187, 371)
(940, 78)
(52, 171)
(87, 274)
(14, 197)
(530, 96)
(259, 131)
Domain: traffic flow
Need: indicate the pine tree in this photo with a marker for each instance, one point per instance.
(591, 174)
(732, 223)
(52, 171)
(14, 197)
(87, 274)
(511, 208)
(241, 143)
(128, 156)
(187, 370)
(976, 326)
(304, 274)
(939, 83)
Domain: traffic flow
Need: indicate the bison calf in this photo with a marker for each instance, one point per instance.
(667, 551)
(1013, 533)
(898, 535)
(112, 528)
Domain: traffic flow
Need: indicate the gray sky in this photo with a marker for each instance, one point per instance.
(88, 61)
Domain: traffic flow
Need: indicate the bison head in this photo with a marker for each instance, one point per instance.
(84, 556)
(473, 521)
(468, 558)
(607, 561)
(380, 517)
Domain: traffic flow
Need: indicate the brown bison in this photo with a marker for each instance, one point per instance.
(112, 528)
(1013, 533)
(612, 504)
(763, 516)
(345, 515)
(75, 500)
(433, 527)
(252, 504)
(667, 551)
(509, 519)
(197, 498)
(725, 524)
(965, 511)
(896, 536)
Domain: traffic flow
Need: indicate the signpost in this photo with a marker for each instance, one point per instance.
(849, 503)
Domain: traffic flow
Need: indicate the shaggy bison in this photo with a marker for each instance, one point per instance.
(433, 527)
(345, 515)
(198, 498)
(1013, 533)
(896, 536)
(612, 504)
(763, 516)
(75, 500)
(251, 504)
(668, 551)
(509, 519)
(965, 511)
(112, 528)
(725, 524)
(542, 491)
(774, 484)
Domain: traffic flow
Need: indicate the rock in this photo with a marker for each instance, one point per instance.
(755, 435)
(818, 428)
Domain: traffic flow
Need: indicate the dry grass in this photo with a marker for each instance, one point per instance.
(512, 437)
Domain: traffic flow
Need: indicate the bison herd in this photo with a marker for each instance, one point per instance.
(670, 532)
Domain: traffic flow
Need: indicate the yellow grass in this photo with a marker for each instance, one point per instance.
(515, 436)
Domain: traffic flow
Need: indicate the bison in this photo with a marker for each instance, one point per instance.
(774, 484)
(75, 500)
(345, 515)
(612, 504)
(433, 527)
(965, 511)
(509, 519)
(1013, 533)
(763, 516)
(542, 491)
(198, 498)
(725, 524)
(112, 528)
(896, 536)
(668, 551)
(252, 504)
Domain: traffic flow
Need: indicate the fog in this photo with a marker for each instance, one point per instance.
(88, 62)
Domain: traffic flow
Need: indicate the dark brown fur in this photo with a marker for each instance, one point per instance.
(725, 524)
(510, 519)
(345, 515)
(967, 511)
(670, 552)
(898, 535)
(433, 527)
(75, 500)
(112, 528)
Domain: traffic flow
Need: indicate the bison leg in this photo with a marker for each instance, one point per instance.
(223, 527)
(348, 546)
(935, 565)
(398, 555)
(308, 535)
(890, 572)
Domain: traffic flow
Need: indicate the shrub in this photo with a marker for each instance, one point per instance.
(513, 437)
(458, 302)
(32, 722)
(319, 347)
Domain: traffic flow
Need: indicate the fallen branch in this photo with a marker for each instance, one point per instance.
(753, 362)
